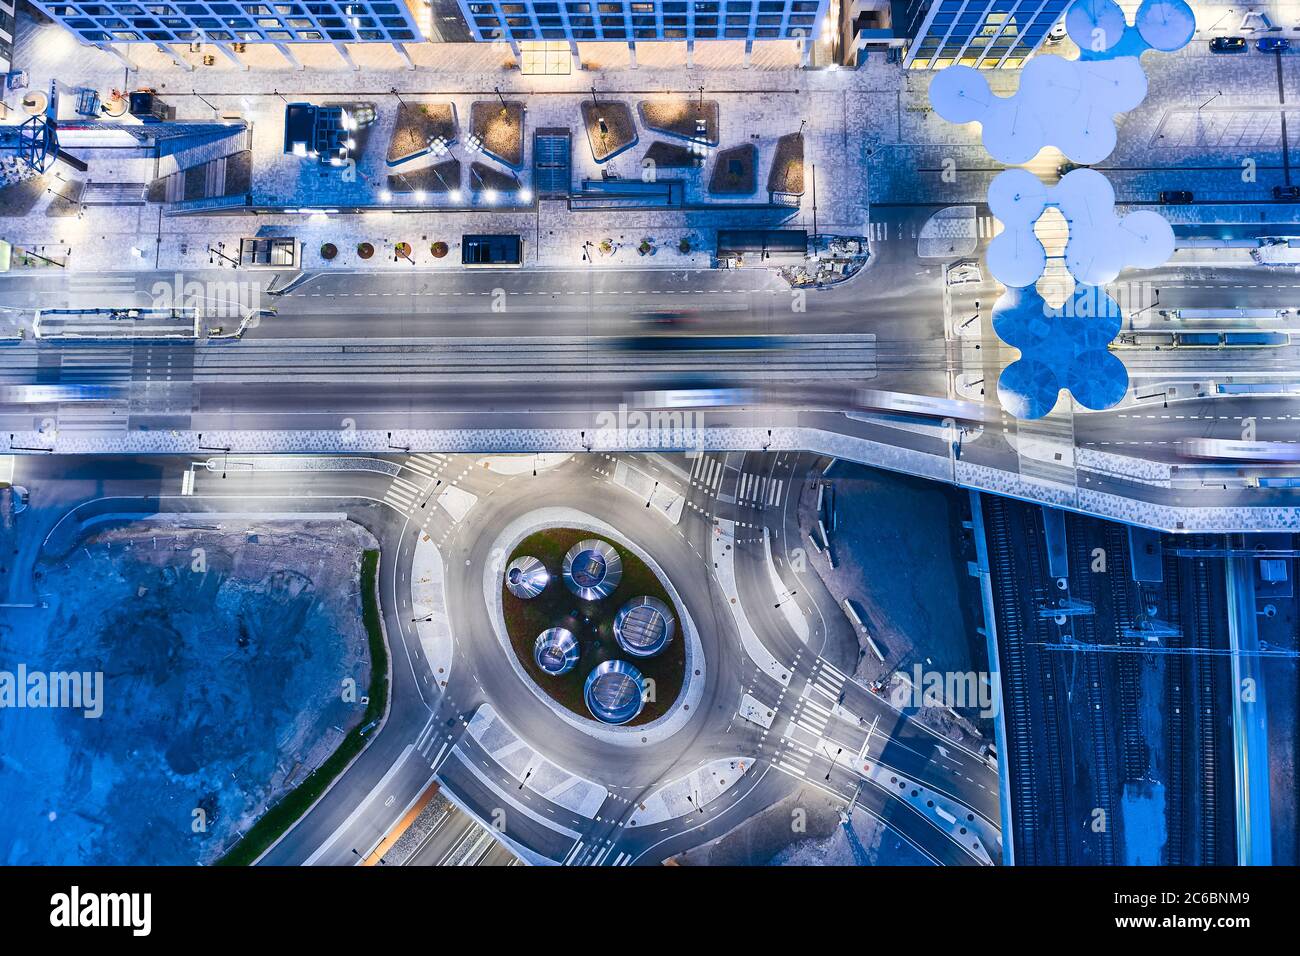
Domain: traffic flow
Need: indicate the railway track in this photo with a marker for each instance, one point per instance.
(1052, 780)
(1015, 689)
(1099, 716)
(1207, 729)
(1134, 752)
(1176, 705)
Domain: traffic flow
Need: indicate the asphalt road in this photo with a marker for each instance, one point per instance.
(424, 735)
(554, 349)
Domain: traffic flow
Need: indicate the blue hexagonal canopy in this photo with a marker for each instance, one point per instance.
(1060, 348)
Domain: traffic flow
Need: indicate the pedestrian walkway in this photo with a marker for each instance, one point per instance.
(531, 769)
(690, 794)
(757, 106)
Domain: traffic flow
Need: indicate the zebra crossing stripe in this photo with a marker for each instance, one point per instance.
(404, 498)
(777, 488)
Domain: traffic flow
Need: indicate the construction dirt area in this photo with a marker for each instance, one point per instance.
(233, 660)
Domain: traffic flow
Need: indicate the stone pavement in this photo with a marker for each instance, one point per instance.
(757, 106)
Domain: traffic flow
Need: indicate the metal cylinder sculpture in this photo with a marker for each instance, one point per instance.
(643, 626)
(592, 569)
(614, 692)
(526, 577)
(556, 651)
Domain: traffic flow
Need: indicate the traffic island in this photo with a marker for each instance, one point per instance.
(418, 127)
(786, 175)
(588, 620)
(610, 128)
(682, 116)
(499, 130)
(734, 171)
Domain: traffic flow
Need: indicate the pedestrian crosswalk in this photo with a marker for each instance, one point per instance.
(101, 285)
(403, 495)
(827, 680)
(706, 473)
(759, 490)
(102, 401)
(426, 464)
(805, 734)
(878, 231)
(988, 227)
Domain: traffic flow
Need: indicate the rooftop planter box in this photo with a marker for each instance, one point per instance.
(786, 175)
(681, 116)
(442, 178)
(672, 156)
(610, 129)
(734, 171)
(500, 130)
(418, 125)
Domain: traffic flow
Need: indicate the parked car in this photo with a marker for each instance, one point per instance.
(1286, 193)
(1066, 168)
(1273, 45)
(1228, 45)
(1175, 197)
(1057, 33)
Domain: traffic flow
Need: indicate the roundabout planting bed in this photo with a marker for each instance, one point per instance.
(592, 622)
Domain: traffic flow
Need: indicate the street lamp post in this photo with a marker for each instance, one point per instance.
(505, 112)
(834, 760)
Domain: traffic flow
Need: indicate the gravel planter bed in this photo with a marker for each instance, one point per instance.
(441, 178)
(678, 116)
(672, 156)
(483, 177)
(734, 171)
(786, 175)
(502, 136)
(620, 130)
(417, 125)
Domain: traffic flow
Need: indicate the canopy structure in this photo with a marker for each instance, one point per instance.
(1100, 31)
(592, 569)
(1101, 243)
(1060, 348)
(556, 651)
(526, 577)
(614, 692)
(1069, 104)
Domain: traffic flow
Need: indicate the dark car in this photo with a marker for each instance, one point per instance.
(1175, 197)
(1228, 45)
(1273, 45)
(1286, 193)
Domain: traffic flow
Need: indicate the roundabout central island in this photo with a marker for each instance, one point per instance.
(593, 627)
